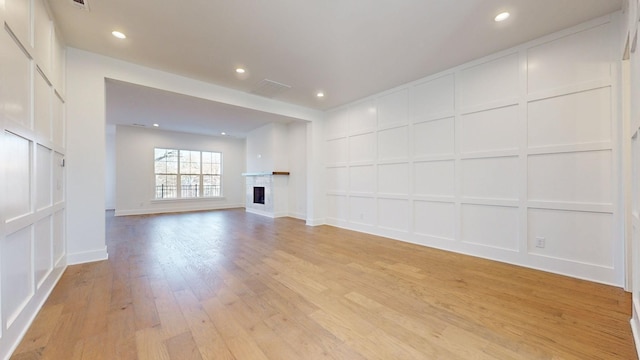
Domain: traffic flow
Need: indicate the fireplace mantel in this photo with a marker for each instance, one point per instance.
(266, 173)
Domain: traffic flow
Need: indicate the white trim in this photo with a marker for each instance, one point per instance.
(267, 214)
(316, 222)
(299, 216)
(164, 210)
(570, 89)
(87, 256)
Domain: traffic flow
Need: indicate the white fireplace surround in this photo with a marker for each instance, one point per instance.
(276, 193)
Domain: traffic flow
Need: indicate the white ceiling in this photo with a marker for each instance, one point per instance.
(129, 104)
(347, 48)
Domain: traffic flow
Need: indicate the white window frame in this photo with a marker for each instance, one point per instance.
(179, 188)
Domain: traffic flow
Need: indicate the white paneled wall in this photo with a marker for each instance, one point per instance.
(434, 219)
(631, 156)
(492, 158)
(433, 138)
(32, 150)
(472, 124)
(487, 85)
(491, 226)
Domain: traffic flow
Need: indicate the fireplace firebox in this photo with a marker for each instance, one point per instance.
(258, 194)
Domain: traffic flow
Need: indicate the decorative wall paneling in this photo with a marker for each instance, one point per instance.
(32, 196)
(511, 157)
(630, 92)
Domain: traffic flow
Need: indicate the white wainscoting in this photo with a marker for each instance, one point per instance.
(490, 156)
(32, 196)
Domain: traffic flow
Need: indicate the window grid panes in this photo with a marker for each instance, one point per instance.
(187, 173)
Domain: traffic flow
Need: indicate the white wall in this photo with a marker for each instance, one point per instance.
(135, 175)
(282, 147)
(110, 168)
(297, 156)
(261, 155)
(267, 148)
(32, 148)
(316, 174)
(86, 74)
(487, 157)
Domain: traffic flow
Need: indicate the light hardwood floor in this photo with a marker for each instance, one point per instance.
(232, 285)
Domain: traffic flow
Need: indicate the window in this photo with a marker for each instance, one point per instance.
(187, 174)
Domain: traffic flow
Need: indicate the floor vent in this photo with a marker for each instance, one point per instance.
(269, 88)
(81, 4)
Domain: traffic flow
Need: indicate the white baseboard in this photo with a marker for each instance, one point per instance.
(261, 213)
(276, 215)
(316, 222)
(298, 216)
(87, 256)
(176, 209)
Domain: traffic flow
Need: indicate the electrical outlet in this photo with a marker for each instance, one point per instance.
(540, 242)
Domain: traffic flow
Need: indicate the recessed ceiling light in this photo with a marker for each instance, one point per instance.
(118, 34)
(156, 125)
(502, 16)
(320, 94)
(240, 70)
(223, 133)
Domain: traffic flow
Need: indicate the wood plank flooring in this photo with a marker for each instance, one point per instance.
(232, 285)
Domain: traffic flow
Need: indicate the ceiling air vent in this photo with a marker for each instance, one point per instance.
(81, 4)
(269, 88)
